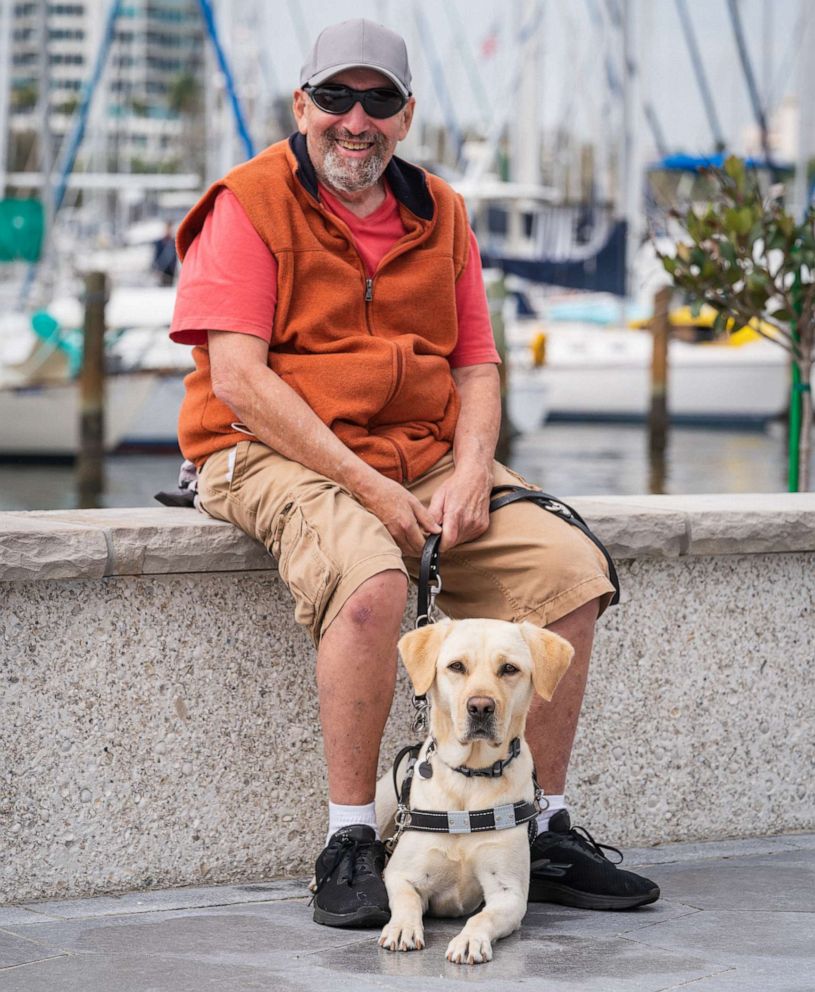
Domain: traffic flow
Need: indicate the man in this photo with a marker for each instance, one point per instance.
(164, 257)
(345, 404)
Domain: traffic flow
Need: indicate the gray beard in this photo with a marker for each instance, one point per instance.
(348, 176)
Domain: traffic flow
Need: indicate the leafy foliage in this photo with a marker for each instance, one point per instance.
(749, 259)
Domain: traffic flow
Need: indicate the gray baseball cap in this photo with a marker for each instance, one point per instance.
(357, 44)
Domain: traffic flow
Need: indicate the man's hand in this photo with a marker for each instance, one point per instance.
(406, 519)
(462, 504)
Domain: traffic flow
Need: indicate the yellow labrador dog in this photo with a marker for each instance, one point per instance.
(480, 676)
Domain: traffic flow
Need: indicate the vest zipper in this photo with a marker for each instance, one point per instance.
(369, 290)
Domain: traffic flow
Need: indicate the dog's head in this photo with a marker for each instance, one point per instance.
(481, 674)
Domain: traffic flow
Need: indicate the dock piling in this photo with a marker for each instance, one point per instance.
(90, 460)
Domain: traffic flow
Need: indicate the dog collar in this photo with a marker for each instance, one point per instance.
(496, 769)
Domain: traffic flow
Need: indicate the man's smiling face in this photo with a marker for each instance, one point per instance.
(351, 151)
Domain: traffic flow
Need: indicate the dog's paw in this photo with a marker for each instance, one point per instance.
(402, 937)
(469, 948)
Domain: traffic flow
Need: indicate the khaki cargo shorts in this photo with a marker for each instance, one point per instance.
(529, 564)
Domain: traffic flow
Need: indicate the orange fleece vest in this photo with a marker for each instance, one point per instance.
(369, 356)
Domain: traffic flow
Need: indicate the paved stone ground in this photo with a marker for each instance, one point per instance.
(735, 917)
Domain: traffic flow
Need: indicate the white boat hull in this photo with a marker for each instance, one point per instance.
(44, 420)
(601, 374)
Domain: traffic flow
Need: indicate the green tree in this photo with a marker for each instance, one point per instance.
(749, 259)
(184, 95)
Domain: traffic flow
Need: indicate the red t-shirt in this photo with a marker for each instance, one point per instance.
(229, 277)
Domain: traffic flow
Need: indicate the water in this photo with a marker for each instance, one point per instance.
(565, 459)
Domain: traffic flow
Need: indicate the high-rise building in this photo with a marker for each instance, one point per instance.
(149, 89)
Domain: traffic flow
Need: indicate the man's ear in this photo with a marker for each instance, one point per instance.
(298, 109)
(551, 656)
(419, 650)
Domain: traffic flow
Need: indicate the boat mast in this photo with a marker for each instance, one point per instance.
(806, 111)
(5, 39)
(628, 168)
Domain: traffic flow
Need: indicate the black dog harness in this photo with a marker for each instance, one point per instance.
(464, 821)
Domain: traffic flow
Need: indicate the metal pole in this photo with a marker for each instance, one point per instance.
(658, 415)
(806, 113)
(90, 461)
(5, 46)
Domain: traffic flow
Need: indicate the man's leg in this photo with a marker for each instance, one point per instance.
(566, 867)
(356, 675)
(346, 576)
(551, 727)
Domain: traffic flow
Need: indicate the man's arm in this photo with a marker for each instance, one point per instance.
(280, 418)
(462, 503)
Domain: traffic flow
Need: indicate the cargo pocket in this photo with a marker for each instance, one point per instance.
(305, 568)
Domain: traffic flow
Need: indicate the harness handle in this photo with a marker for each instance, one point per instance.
(502, 496)
(428, 573)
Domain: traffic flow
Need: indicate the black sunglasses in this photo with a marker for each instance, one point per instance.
(379, 102)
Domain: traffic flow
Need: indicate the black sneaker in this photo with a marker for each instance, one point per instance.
(349, 890)
(570, 868)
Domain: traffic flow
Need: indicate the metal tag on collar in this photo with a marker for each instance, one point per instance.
(425, 769)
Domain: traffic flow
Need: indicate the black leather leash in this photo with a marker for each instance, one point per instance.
(430, 578)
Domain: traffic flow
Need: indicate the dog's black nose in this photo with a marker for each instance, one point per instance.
(480, 706)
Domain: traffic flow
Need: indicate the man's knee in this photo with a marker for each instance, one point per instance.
(379, 601)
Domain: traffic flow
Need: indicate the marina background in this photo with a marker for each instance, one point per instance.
(561, 125)
(564, 459)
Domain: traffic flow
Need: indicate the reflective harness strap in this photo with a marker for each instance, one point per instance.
(455, 821)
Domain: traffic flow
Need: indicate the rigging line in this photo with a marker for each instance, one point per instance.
(570, 94)
(300, 26)
(699, 72)
(439, 80)
(632, 71)
(506, 102)
(791, 58)
(223, 65)
(458, 31)
(747, 68)
(604, 109)
(70, 146)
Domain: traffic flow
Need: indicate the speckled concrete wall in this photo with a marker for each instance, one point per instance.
(162, 729)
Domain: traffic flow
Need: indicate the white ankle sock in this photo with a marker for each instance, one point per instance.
(555, 803)
(346, 816)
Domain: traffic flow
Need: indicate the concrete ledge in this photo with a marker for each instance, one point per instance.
(165, 540)
(144, 541)
(159, 714)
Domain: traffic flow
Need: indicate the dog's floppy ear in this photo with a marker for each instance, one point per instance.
(551, 656)
(419, 650)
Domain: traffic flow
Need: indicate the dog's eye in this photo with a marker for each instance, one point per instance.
(508, 669)
(455, 666)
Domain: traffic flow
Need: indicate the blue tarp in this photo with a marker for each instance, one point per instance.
(695, 163)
